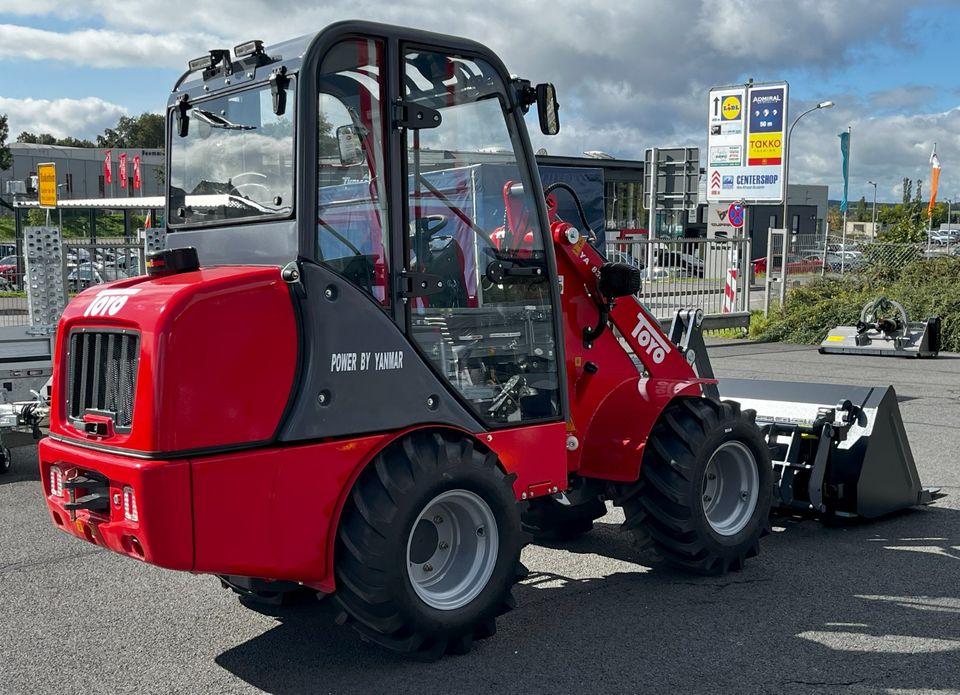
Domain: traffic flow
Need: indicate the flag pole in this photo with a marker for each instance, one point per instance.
(843, 234)
(933, 197)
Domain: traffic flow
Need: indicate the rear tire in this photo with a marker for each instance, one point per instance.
(6, 461)
(705, 489)
(428, 548)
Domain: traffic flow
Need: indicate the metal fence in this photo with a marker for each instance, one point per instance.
(84, 263)
(87, 263)
(712, 275)
(14, 310)
(795, 259)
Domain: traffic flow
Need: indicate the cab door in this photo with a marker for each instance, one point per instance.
(476, 280)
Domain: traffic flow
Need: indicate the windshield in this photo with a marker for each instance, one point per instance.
(236, 161)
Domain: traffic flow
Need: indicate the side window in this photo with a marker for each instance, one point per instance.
(352, 222)
(473, 230)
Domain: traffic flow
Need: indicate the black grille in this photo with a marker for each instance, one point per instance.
(102, 375)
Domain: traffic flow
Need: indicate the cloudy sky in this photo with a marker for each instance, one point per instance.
(630, 75)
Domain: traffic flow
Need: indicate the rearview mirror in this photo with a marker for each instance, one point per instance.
(548, 109)
(351, 149)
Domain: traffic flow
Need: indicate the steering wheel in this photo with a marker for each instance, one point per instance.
(254, 184)
(434, 223)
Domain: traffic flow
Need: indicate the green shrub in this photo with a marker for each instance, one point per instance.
(926, 287)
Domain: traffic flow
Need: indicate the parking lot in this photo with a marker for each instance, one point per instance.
(865, 608)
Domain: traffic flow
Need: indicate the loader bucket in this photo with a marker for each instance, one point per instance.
(837, 450)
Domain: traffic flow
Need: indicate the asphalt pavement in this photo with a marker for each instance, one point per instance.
(866, 608)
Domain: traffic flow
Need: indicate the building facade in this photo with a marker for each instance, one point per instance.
(81, 173)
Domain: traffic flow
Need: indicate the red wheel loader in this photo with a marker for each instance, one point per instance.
(357, 370)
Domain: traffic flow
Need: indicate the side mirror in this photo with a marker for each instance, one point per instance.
(548, 109)
(348, 142)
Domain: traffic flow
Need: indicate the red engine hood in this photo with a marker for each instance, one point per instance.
(218, 354)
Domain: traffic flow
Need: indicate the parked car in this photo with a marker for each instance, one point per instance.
(679, 264)
(942, 238)
(796, 265)
(82, 277)
(843, 261)
(8, 268)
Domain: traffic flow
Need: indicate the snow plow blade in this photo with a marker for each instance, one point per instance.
(837, 450)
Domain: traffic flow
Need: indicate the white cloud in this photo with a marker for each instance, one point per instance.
(80, 118)
(883, 149)
(630, 75)
(101, 48)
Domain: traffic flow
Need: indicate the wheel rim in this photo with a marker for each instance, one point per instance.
(731, 486)
(452, 549)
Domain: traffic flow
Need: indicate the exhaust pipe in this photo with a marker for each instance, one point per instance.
(837, 450)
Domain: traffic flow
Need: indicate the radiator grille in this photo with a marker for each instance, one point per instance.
(102, 375)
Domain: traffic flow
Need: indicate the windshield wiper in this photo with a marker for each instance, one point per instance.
(217, 121)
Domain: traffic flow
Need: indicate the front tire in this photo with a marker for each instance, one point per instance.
(428, 548)
(705, 489)
(6, 460)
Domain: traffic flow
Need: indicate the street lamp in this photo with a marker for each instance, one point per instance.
(786, 161)
(786, 196)
(873, 227)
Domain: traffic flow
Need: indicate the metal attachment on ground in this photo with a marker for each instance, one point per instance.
(848, 459)
(885, 330)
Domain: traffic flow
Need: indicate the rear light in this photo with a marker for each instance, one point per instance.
(130, 505)
(56, 481)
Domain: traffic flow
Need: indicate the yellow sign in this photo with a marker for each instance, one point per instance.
(731, 107)
(765, 149)
(835, 338)
(47, 176)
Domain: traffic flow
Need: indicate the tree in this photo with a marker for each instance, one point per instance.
(143, 131)
(33, 139)
(48, 139)
(907, 186)
(834, 219)
(862, 215)
(74, 142)
(6, 159)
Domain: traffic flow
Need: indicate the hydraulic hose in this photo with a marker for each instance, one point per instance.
(576, 201)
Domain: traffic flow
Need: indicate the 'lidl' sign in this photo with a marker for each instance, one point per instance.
(731, 108)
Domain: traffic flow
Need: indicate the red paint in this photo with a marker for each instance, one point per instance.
(613, 409)
(270, 512)
(162, 488)
(218, 350)
(218, 354)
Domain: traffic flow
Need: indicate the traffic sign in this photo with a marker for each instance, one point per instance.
(746, 142)
(677, 177)
(47, 184)
(735, 215)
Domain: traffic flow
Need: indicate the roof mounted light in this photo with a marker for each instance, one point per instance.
(248, 48)
(201, 63)
(214, 58)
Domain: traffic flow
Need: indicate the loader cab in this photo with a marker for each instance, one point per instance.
(400, 163)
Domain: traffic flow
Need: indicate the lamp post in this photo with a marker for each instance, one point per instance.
(873, 227)
(786, 197)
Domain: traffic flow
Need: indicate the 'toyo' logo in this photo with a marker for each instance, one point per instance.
(109, 302)
(650, 339)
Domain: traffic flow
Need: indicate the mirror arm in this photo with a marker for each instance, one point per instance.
(180, 111)
(526, 93)
(278, 89)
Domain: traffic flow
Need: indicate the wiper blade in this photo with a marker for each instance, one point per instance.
(217, 121)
